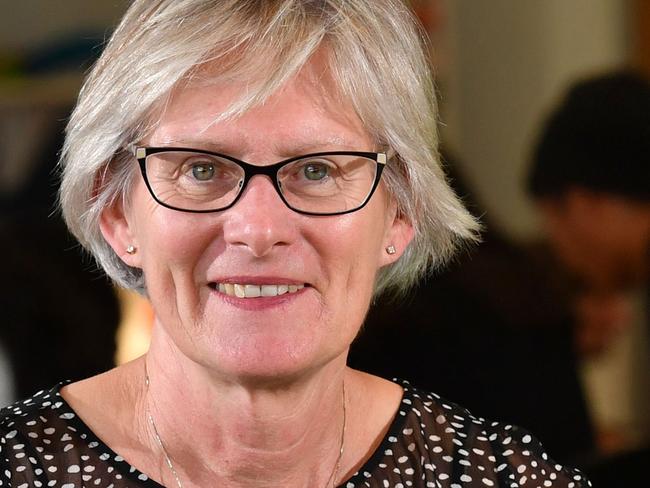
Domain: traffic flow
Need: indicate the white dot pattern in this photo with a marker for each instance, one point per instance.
(431, 443)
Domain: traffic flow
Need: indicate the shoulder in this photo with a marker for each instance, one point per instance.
(432, 440)
(485, 451)
(41, 439)
(22, 425)
(27, 417)
(43, 442)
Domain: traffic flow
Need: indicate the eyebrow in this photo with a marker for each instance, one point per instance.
(332, 143)
(208, 145)
(335, 143)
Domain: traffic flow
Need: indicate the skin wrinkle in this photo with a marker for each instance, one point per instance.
(313, 80)
(281, 418)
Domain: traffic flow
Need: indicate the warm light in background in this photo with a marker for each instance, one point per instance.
(134, 331)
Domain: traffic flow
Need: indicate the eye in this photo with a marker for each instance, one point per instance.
(315, 171)
(203, 171)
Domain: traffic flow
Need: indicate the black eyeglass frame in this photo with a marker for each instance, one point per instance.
(250, 170)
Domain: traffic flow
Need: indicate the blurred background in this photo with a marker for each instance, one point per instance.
(501, 67)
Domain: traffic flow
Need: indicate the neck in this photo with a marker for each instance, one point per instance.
(264, 433)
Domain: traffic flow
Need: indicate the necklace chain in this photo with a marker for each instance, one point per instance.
(337, 466)
(156, 435)
(330, 481)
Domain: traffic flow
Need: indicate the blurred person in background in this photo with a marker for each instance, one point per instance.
(591, 181)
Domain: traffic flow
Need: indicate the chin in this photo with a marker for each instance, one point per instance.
(264, 360)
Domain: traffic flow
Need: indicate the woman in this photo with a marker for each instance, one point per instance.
(257, 169)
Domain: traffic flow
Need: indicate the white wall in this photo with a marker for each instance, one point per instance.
(505, 62)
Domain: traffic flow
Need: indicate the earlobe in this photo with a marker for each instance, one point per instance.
(116, 229)
(396, 240)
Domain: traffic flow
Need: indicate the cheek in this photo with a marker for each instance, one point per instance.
(171, 243)
(349, 250)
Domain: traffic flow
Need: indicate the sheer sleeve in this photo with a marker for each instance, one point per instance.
(5, 468)
(519, 460)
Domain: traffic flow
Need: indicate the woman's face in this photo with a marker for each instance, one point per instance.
(259, 241)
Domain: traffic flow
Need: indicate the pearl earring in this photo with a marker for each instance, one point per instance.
(131, 250)
(391, 249)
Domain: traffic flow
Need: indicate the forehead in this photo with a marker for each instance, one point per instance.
(306, 113)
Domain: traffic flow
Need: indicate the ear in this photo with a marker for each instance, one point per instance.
(399, 233)
(118, 232)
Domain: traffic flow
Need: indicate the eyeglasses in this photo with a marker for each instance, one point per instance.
(325, 183)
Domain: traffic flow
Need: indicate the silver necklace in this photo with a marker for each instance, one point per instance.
(156, 435)
(337, 466)
(330, 481)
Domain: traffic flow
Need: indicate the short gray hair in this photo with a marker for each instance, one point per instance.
(377, 57)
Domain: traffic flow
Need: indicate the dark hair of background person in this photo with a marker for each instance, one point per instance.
(60, 314)
(492, 332)
(598, 138)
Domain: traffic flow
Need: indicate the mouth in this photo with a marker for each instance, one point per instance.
(249, 290)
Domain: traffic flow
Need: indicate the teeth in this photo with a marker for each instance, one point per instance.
(269, 290)
(240, 291)
(254, 291)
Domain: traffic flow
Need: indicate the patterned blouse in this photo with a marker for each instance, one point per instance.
(430, 443)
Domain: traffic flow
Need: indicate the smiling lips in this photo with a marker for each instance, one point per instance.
(256, 291)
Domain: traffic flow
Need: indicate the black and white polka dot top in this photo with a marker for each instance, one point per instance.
(431, 443)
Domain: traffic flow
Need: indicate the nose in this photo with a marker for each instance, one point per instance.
(259, 221)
